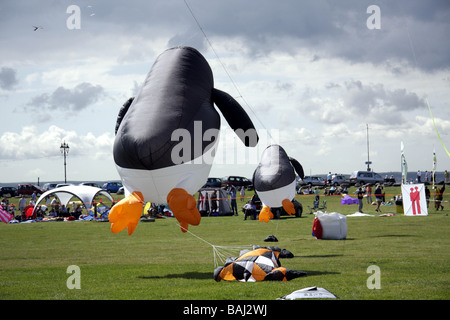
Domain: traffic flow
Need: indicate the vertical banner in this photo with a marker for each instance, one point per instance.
(414, 201)
(404, 165)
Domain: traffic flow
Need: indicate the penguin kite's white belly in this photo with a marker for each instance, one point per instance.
(274, 197)
(156, 184)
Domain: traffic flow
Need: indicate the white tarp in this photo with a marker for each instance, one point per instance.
(414, 201)
(309, 293)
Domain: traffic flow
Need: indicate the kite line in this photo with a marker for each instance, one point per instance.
(225, 69)
(221, 253)
(437, 132)
(426, 98)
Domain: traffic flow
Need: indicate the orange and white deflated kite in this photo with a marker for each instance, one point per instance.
(260, 264)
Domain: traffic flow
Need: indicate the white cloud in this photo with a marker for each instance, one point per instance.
(311, 70)
(31, 144)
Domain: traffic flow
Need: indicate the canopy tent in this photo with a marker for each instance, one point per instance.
(206, 206)
(85, 193)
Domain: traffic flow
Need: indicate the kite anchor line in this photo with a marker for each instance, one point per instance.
(221, 253)
(426, 98)
(226, 71)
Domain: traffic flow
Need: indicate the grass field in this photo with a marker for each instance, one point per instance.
(160, 262)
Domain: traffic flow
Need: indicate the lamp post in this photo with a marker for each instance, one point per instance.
(64, 150)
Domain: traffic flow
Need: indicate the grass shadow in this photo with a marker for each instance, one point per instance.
(394, 236)
(321, 256)
(185, 275)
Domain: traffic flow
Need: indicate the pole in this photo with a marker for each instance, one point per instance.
(368, 160)
(64, 150)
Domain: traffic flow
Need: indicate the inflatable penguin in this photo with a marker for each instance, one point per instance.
(274, 180)
(167, 135)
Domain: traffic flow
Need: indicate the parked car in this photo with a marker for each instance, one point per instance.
(49, 186)
(279, 211)
(364, 177)
(311, 181)
(8, 191)
(213, 183)
(90, 184)
(339, 180)
(28, 189)
(237, 182)
(59, 185)
(112, 187)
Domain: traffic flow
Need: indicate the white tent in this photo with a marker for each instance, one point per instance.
(85, 193)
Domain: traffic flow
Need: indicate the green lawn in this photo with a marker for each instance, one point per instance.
(160, 262)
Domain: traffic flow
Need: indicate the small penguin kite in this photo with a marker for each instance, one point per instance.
(167, 135)
(274, 181)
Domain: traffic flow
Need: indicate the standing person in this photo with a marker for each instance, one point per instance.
(22, 204)
(427, 176)
(369, 193)
(213, 203)
(446, 177)
(329, 177)
(360, 194)
(378, 197)
(232, 193)
(438, 197)
(242, 192)
(427, 195)
(419, 176)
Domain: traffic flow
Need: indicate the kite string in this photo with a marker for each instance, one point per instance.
(221, 253)
(426, 96)
(437, 132)
(226, 70)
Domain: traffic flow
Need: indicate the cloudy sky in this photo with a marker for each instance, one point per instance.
(311, 75)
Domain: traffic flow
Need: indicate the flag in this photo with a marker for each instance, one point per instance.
(404, 165)
(5, 216)
(414, 200)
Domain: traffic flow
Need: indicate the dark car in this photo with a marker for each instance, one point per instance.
(213, 183)
(237, 182)
(8, 191)
(28, 189)
(279, 211)
(112, 186)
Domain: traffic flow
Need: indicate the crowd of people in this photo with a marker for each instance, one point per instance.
(51, 209)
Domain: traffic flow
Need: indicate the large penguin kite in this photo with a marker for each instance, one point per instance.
(166, 137)
(274, 180)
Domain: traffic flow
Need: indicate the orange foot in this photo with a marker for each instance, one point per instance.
(183, 206)
(265, 214)
(126, 213)
(288, 206)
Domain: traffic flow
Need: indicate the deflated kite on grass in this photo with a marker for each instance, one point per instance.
(260, 264)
